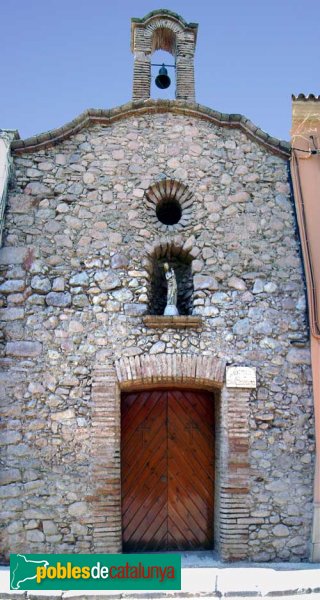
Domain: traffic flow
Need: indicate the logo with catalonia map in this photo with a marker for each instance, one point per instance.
(23, 569)
(95, 572)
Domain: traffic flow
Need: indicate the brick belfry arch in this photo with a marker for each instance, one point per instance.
(163, 30)
(231, 523)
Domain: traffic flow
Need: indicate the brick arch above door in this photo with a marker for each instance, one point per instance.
(170, 369)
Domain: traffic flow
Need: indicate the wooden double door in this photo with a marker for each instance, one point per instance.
(167, 459)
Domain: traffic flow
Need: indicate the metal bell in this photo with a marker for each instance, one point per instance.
(163, 80)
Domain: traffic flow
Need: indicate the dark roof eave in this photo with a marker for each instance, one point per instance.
(304, 98)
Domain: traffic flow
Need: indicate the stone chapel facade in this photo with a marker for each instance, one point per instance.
(93, 211)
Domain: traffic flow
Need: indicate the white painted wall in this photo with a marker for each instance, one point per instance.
(5, 167)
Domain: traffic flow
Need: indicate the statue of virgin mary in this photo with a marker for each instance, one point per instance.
(172, 291)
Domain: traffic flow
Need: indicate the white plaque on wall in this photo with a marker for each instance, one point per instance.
(241, 377)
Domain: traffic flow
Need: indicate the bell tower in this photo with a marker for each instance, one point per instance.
(163, 30)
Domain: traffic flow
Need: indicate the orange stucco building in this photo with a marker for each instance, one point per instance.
(305, 170)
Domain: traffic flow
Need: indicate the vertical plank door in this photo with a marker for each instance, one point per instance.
(167, 461)
(144, 471)
(190, 470)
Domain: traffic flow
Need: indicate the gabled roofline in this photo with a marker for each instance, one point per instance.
(180, 107)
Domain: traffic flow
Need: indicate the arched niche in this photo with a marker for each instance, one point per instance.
(181, 261)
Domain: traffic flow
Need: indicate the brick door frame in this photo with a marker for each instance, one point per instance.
(231, 522)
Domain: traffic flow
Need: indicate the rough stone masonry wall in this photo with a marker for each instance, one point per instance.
(74, 287)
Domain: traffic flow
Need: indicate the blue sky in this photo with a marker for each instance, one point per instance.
(60, 57)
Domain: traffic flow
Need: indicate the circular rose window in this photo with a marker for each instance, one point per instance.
(169, 205)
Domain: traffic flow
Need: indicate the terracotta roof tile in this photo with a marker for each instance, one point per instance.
(305, 98)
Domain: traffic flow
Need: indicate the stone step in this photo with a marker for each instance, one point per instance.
(154, 596)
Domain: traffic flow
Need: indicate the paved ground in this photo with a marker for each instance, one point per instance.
(204, 577)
